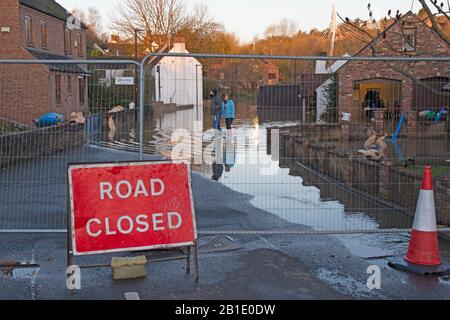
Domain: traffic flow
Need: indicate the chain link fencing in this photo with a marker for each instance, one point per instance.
(307, 152)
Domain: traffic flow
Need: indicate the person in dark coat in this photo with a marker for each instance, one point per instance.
(216, 108)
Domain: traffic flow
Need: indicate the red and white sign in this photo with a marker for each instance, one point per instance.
(130, 206)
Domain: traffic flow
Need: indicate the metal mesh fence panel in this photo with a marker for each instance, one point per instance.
(315, 144)
(318, 145)
(52, 114)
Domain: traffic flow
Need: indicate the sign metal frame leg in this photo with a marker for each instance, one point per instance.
(188, 260)
(196, 264)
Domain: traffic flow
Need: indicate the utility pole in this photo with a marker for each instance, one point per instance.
(334, 30)
(136, 30)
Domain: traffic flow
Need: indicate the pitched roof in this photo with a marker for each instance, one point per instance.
(68, 68)
(50, 7)
(403, 17)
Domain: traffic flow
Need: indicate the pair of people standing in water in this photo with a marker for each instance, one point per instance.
(222, 107)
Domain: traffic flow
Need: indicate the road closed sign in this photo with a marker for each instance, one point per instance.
(130, 206)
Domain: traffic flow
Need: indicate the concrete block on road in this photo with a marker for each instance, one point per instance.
(129, 268)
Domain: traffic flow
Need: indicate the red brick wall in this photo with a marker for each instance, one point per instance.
(9, 17)
(70, 101)
(23, 89)
(428, 44)
(24, 92)
(28, 91)
(55, 34)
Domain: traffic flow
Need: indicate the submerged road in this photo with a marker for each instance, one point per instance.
(269, 267)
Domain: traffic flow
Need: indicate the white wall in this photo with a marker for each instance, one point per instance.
(181, 79)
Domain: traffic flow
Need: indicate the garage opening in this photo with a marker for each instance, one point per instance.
(375, 94)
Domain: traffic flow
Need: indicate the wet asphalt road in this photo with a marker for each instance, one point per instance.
(269, 267)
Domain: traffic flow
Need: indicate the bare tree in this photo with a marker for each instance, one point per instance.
(432, 16)
(93, 20)
(405, 68)
(201, 23)
(285, 28)
(362, 26)
(160, 19)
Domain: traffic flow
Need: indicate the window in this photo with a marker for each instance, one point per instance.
(69, 84)
(68, 41)
(29, 29)
(272, 76)
(128, 73)
(58, 88)
(82, 90)
(79, 44)
(44, 38)
(409, 40)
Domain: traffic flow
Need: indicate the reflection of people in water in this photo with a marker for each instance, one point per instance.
(217, 171)
(229, 157)
(226, 162)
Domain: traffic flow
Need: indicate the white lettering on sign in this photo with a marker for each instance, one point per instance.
(125, 190)
(157, 222)
(126, 225)
(120, 227)
(89, 230)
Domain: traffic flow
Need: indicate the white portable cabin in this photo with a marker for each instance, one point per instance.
(179, 80)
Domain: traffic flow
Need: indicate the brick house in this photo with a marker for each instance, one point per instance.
(399, 85)
(38, 29)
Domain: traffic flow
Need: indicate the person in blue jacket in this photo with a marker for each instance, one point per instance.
(228, 111)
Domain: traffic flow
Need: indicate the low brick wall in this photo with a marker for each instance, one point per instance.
(33, 144)
(385, 181)
(37, 143)
(8, 126)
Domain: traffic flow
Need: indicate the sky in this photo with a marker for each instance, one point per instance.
(250, 18)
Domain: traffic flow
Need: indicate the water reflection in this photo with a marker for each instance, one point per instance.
(291, 192)
(225, 156)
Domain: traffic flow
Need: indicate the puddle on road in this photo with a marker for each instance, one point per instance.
(358, 289)
(24, 270)
(445, 280)
(27, 270)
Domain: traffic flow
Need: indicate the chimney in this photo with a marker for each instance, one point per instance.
(179, 44)
(9, 28)
(115, 38)
(321, 67)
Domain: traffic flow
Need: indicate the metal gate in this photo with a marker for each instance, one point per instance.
(296, 160)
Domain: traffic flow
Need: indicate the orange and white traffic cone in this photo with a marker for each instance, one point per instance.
(423, 252)
(424, 247)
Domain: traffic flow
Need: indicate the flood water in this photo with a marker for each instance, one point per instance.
(279, 186)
